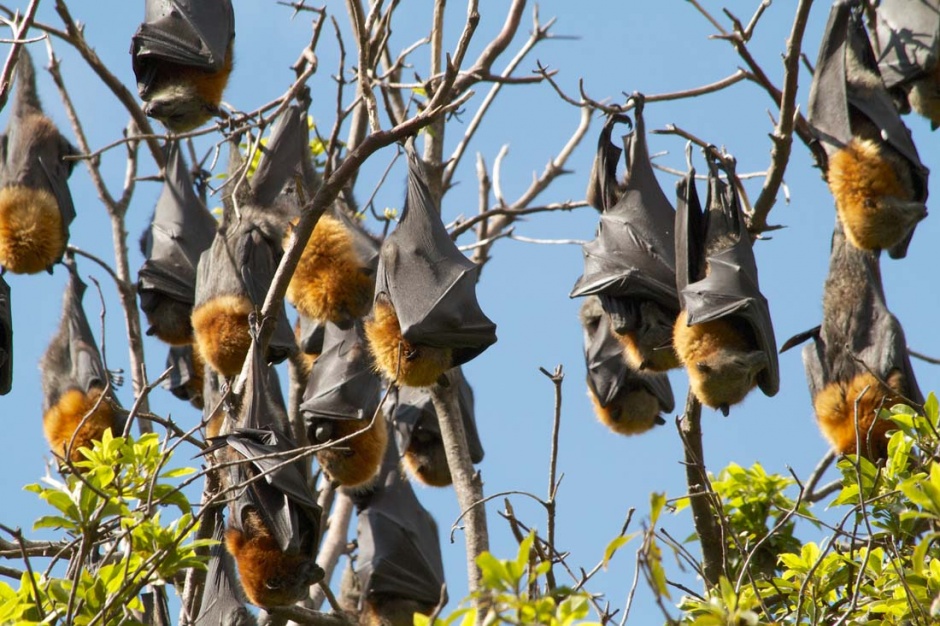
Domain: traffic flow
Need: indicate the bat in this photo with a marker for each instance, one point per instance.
(187, 375)
(907, 38)
(182, 57)
(181, 230)
(631, 263)
(872, 167)
(341, 398)
(419, 433)
(234, 274)
(222, 600)
(77, 404)
(309, 335)
(626, 401)
(858, 355)
(425, 318)
(6, 339)
(723, 335)
(35, 203)
(399, 566)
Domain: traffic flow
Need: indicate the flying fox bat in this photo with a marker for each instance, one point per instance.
(76, 407)
(873, 170)
(419, 432)
(723, 336)
(234, 274)
(858, 360)
(631, 263)
(222, 600)
(6, 339)
(341, 398)
(626, 401)
(907, 39)
(187, 374)
(182, 229)
(399, 565)
(182, 58)
(425, 318)
(35, 204)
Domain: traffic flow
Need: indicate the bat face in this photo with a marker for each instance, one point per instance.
(6, 339)
(35, 203)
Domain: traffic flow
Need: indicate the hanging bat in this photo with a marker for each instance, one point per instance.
(35, 204)
(222, 600)
(723, 336)
(234, 274)
(309, 335)
(425, 318)
(907, 38)
(626, 401)
(187, 375)
(6, 339)
(77, 405)
(182, 58)
(181, 230)
(419, 433)
(858, 360)
(399, 566)
(872, 167)
(631, 263)
(341, 398)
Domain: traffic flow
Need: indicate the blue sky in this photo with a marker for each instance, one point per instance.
(620, 46)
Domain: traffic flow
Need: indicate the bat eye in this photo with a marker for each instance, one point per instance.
(323, 432)
(273, 583)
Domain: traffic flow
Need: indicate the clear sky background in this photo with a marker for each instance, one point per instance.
(615, 46)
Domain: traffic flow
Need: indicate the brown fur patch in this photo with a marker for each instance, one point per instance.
(220, 327)
(356, 461)
(31, 237)
(420, 366)
(924, 96)
(391, 612)
(427, 462)
(835, 413)
(329, 283)
(642, 356)
(629, 413)
(61, 421)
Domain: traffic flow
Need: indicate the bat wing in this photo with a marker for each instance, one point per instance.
(196, 33)
(87, 367)
(222, 603)
(366, 247)
(258, 262)
(828, 112)
(179, 360)
(814, 363)
(908, 34)
(602, 192)
(282, 155)
(311, 335)
(6, 339)
(690, 229)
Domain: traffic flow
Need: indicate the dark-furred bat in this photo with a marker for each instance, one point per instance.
(182, 57)
(341, 398)
(76, 407)
(631, 263)
(858, 358)
(625, 400)
(234, 274)
(419, 433)
(187, 374)
(181, 230)
(872, 167)
(399, 565)
(907, 40)
(425, 317)
(723, 336)
(35, 203)
(6, 339)
(222, 600)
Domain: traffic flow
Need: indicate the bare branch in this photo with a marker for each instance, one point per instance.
(20, 29)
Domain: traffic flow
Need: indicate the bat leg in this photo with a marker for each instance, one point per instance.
(400, 361)
(220, 327)
(354, 462)
(63, 422)
(31, 234)
(630, 413)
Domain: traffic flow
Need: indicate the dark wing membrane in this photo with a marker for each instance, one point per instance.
(222, 604)
(602, 192)
(312, 332)
(196, 33)
(258, 261)
(179, 360)
(6, 339)
(87, 367)
(828, 112)
(690, 229)
(907, 35)
(281, 156)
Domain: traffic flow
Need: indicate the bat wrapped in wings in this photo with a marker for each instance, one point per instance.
(858, 361)
(78, 405)
(222, 599)
(425, 317)
(419, 432)
(341, 398)
(181, 230)
(723, 336)
(182, 57)
(187, 374)
(625, 400)
(35, 203)
(630, 265)
(234, 274)
(872, 167)
(6, 339)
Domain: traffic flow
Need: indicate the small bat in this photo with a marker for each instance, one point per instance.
(222, 599)
(858, 362)
(187, 375)
(234, 274)
(425, 318)
(181, 230)
(872, 167)
(182, 58)
(631, 263)
(419, 433)
(77, 404)
(35, 203)
(626, 401)
(6, 339)
(341, 398)
(907, 38)
(723, 336)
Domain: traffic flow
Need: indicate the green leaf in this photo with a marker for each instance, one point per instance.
(178, 472)
(657, 501)
(54, 521)
(615, 545)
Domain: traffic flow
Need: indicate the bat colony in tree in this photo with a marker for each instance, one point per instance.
(664, 288)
